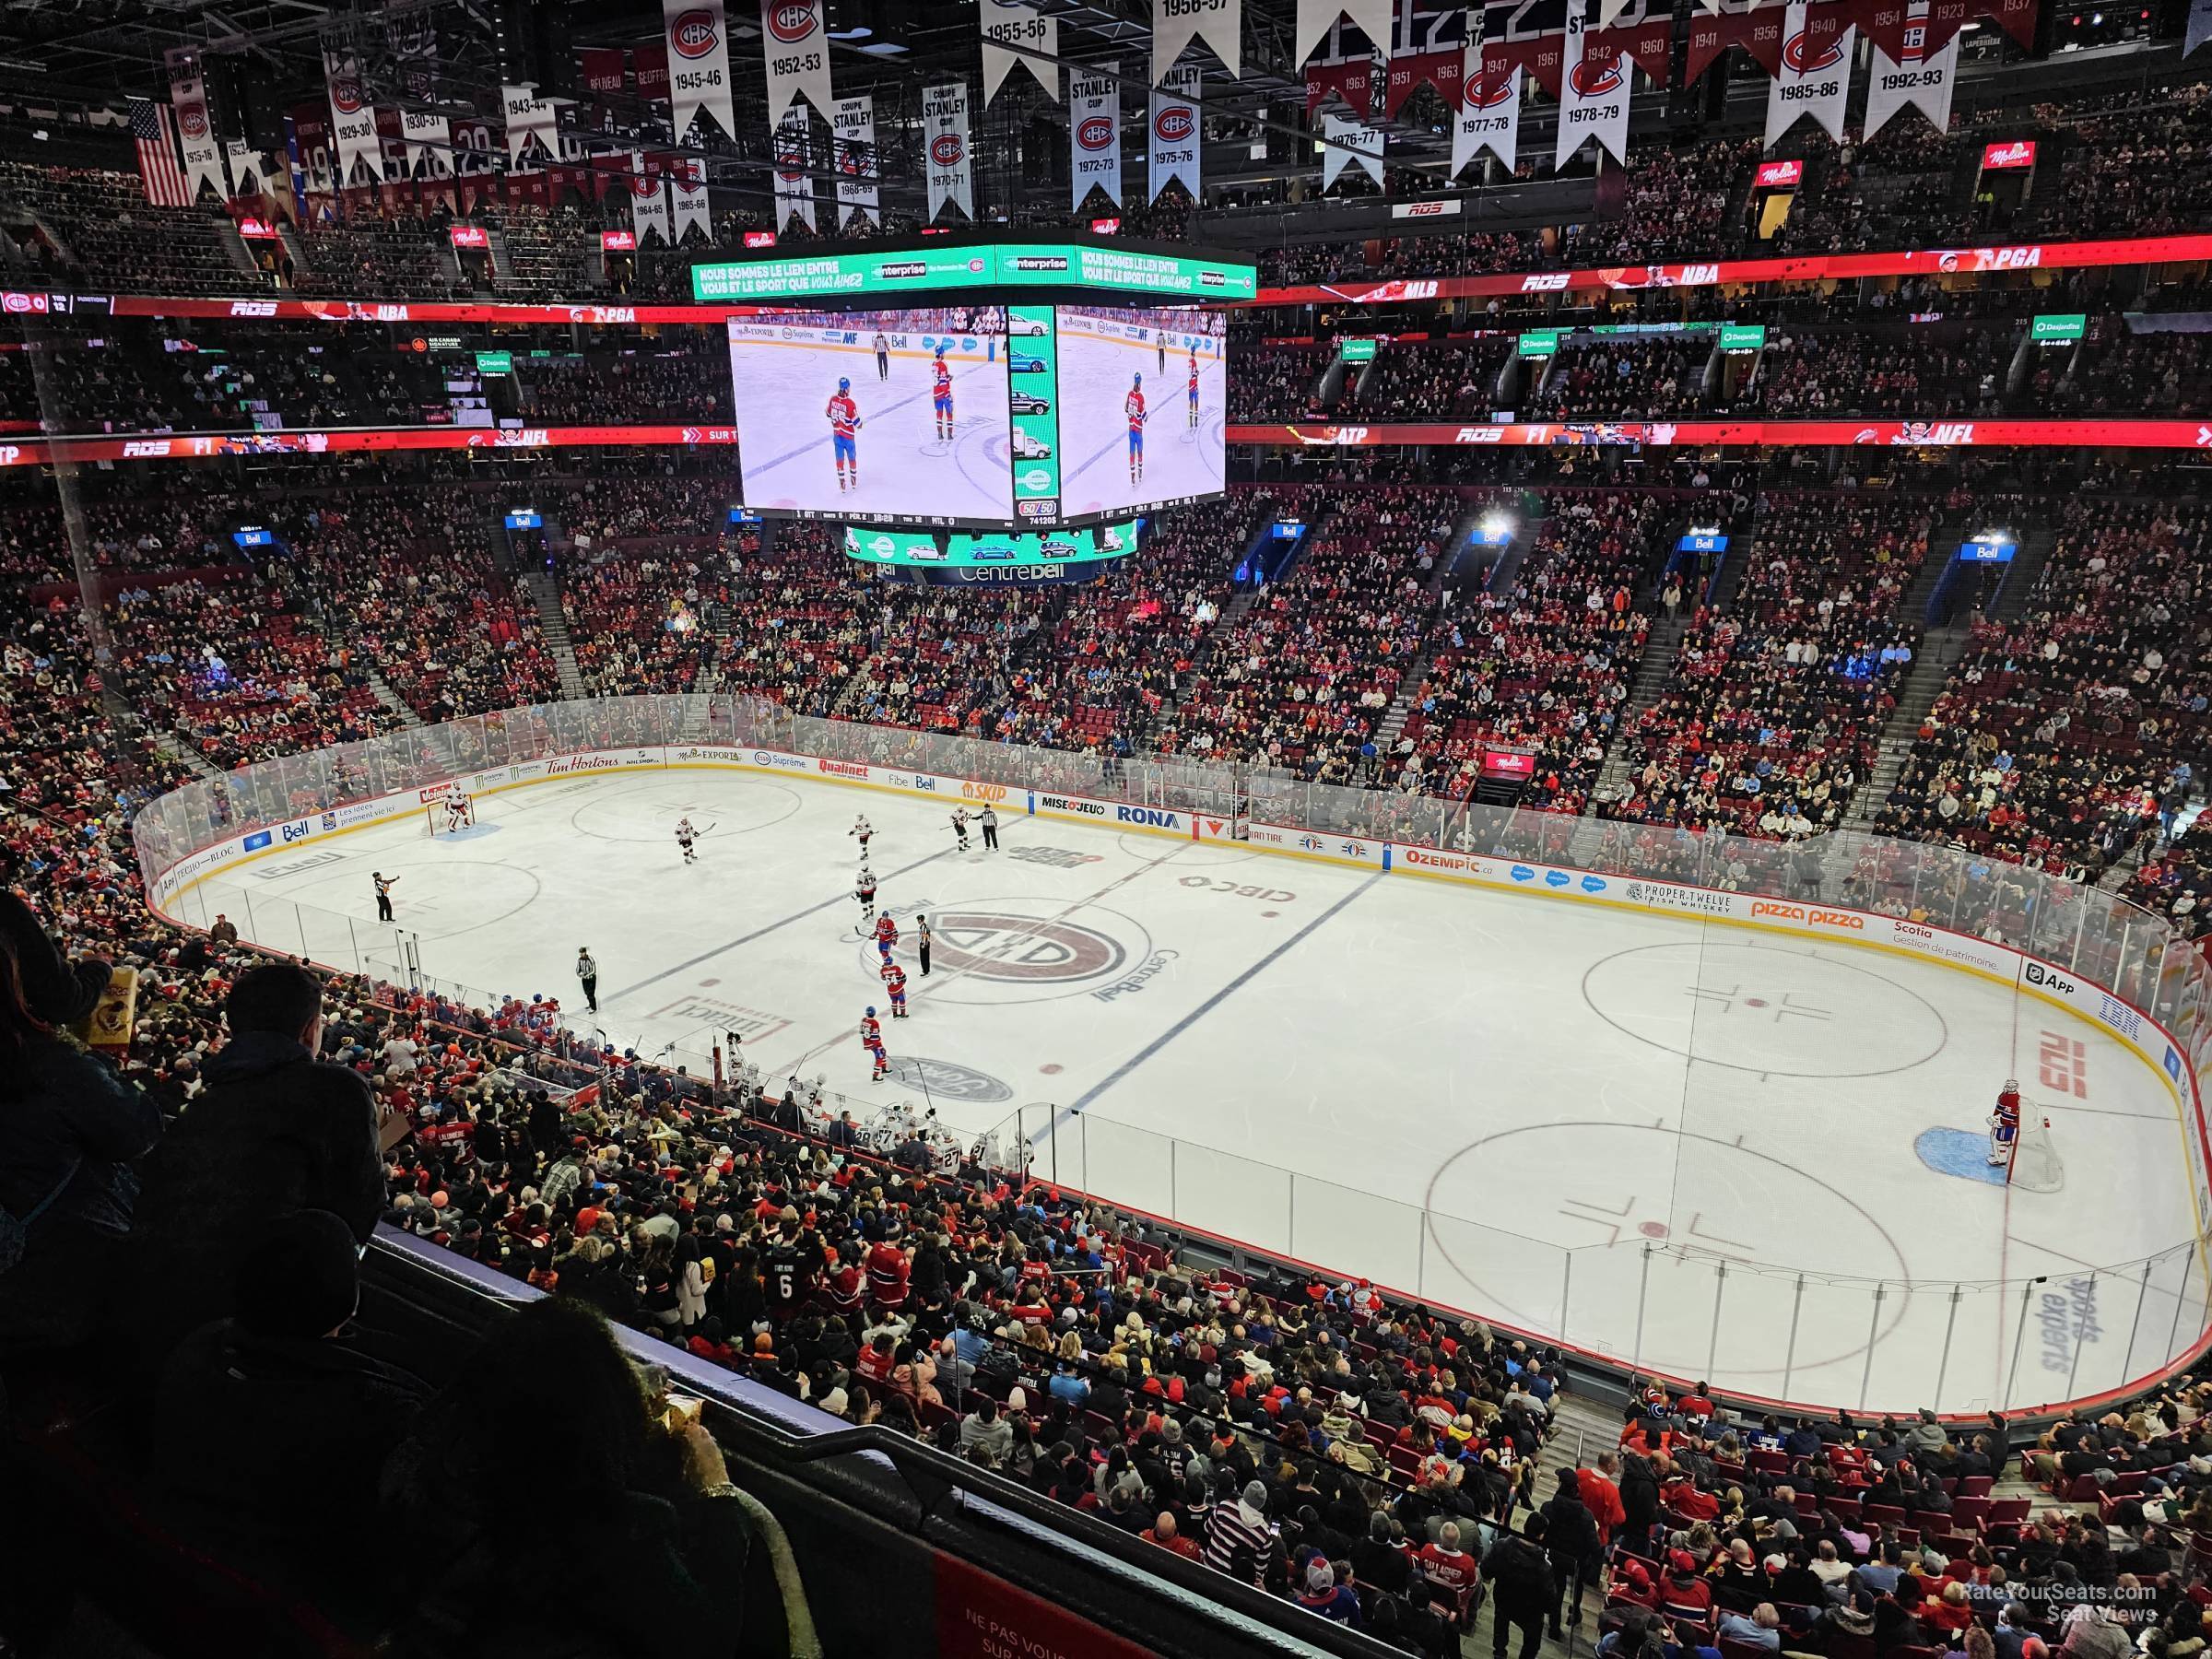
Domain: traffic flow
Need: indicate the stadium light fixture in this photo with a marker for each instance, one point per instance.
(1498, 525)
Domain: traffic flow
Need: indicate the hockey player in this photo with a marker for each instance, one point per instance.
(685, 836)
(871, 1039)
(1190, 417)
(960, 827)
(887, 936)
(456, 813)
(864, 890)
(940, 394)
(862, 828)
(894, 982)
(2005, 1122)
(844, 419)
(1133, 406)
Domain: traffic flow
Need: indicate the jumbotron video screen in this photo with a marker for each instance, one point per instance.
(876, 416)
(988, 416)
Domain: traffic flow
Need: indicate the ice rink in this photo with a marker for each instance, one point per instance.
(1181, 459)
(1719, 1152)
(782, 389)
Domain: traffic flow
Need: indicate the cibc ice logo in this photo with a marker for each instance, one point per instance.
(1002, 950)
(693, 34)
(1173, 124)
(947, 148)
(1801, 55)
(1095, 132)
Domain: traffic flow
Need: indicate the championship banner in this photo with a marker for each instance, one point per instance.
(1008, 21)
(945, 146)
(249, 174)
(649, 203)
(1347, 141)
(1094, 135)
(1219, 23)
(697, 39)
(1913, 81)
(794, 183)
(195, 127)
(688, 195)
(1487, 116)
(2200, 26)
(352, 120)
(1593, 91)
(1429, 45)
(1372, 18)
(854, 126)
(795, 44)
(1815, 75)
(1522, 34)
(1172, 133)
(1756, 28)
(531, 135)
(412, 38)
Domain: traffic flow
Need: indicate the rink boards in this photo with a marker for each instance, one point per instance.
(2010, 969)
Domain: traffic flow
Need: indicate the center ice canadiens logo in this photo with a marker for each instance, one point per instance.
(992, 945)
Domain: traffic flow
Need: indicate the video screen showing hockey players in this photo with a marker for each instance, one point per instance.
(1143, 394)
(891, 415)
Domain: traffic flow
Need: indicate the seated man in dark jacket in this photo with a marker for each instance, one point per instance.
(270, 1429)
(276, 1132)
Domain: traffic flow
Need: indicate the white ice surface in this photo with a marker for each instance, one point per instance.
(1486, 1100)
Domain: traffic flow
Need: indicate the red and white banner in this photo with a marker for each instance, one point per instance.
(793, 146)
(352, 118)
(949, 166)
(1813, 77)
(1018, 25)
(1094, 135)
(687, 193)
(648, 202)
(1915, 79)
(1763, 434)
(532, 138)
(1172, 135)
(1489, 117)
(195, 128)
(853, 127)
(795, 44)
(412, 37)
(1593, 91)
(1219, 23)
(696, 37)
(1371, 18)
(1346, 141)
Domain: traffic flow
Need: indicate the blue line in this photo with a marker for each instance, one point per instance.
(1204, 1008)
(844, 898)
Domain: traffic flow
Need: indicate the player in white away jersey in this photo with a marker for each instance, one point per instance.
(685, 836)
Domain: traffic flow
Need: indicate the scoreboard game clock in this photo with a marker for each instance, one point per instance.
(983, 384)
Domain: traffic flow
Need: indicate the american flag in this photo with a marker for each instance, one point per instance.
(159, 173)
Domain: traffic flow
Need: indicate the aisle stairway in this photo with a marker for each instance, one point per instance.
(392, 699)
(545, 592)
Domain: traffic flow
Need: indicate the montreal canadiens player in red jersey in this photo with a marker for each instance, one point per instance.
(1190, 417)
(2005, 1122)
(1133, 406)
(940, 394)
(894, 982)
(887, 936)
(844, 425)
(871, 1039)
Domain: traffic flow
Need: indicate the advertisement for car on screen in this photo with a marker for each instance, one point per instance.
(875, 415)
(1143, 394)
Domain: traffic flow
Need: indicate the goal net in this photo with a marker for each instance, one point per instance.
(2034, 1164)
(443, 822)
